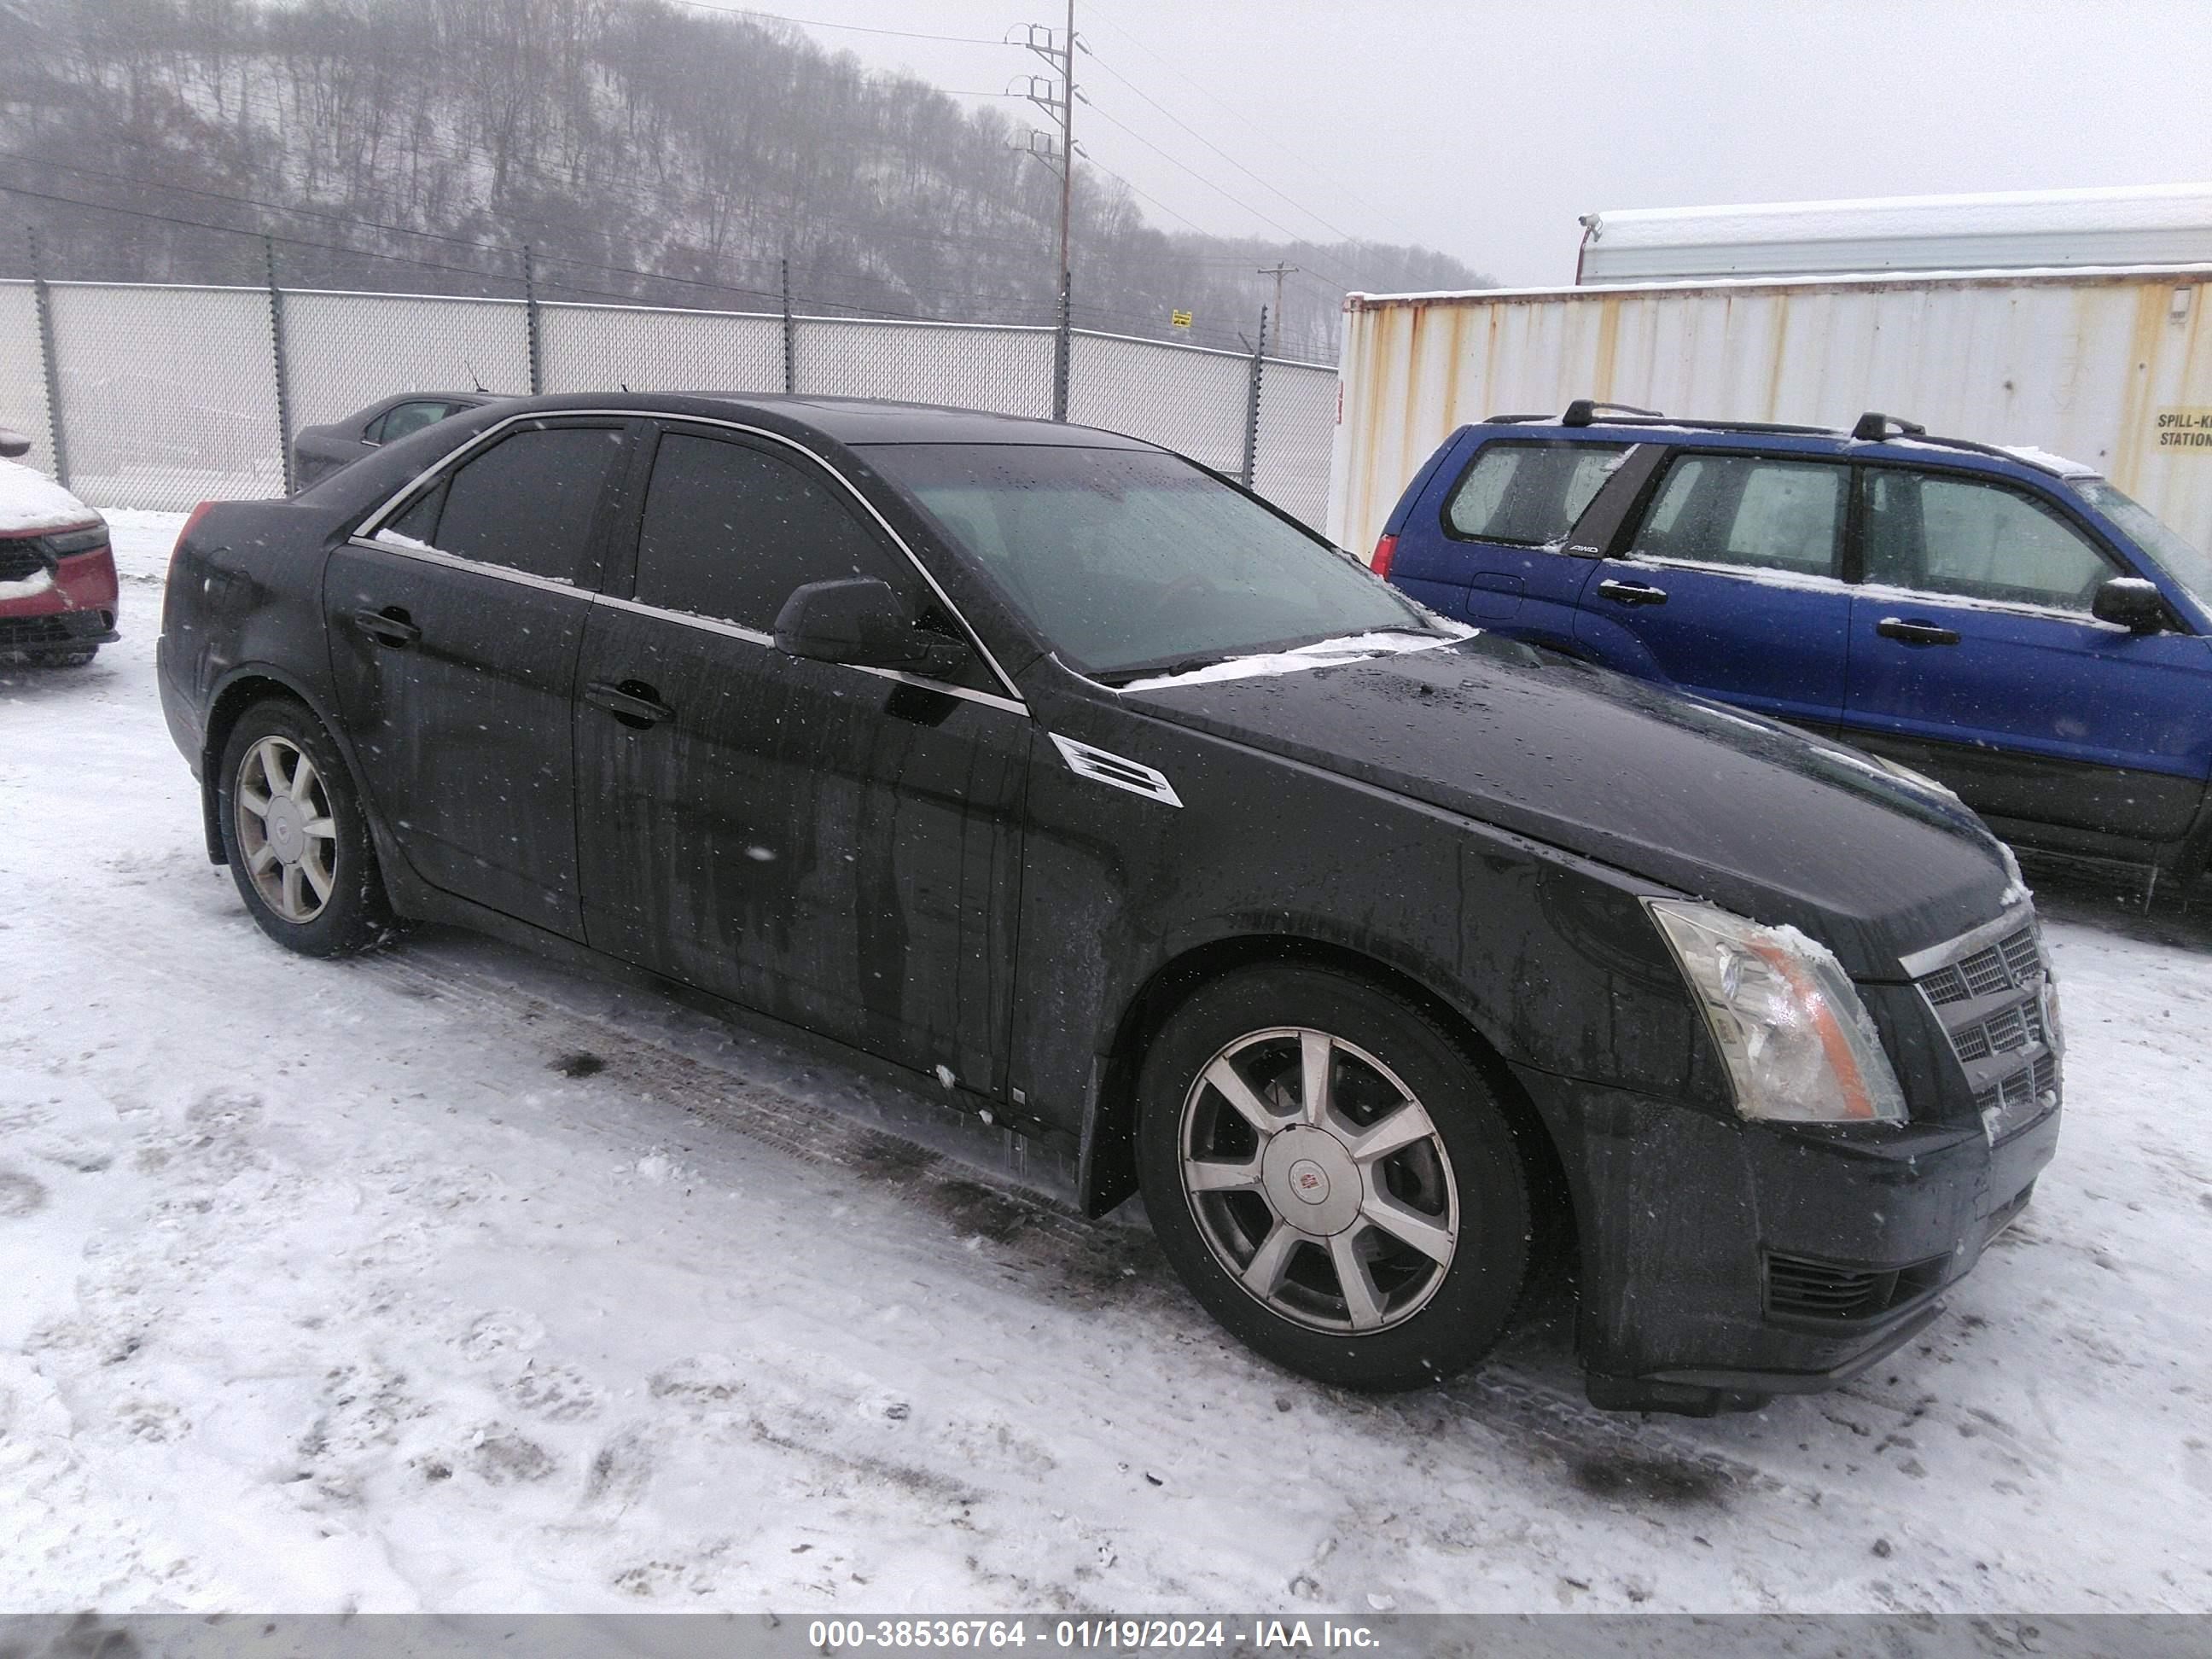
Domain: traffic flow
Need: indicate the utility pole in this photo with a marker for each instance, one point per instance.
(1061, 106)
(1279, 270)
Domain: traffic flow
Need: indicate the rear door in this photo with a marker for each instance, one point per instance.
(1974, 657)
(1730, 584)
(1493, 552)
(454, 634)
(834, 846)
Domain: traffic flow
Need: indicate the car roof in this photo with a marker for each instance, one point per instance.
(1901, 441)
(856, 422)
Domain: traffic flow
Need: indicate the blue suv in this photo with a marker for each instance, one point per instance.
(2002, 620)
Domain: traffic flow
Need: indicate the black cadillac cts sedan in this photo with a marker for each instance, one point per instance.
(1387, 961)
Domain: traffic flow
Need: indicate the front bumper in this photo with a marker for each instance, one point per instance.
(1725, 1261)
(75, 607)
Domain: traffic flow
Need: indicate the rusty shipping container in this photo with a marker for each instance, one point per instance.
(2111, 367)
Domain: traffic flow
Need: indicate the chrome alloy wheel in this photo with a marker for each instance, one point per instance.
(285, 830)
(1318, 1180)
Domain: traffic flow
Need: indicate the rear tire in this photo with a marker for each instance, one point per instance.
(294, 835)
(1379, 1241)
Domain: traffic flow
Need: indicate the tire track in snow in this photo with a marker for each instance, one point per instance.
(1052, 1244)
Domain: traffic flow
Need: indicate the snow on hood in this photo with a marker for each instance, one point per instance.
(31, 502)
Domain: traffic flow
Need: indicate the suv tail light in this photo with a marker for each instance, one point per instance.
(1386, 549)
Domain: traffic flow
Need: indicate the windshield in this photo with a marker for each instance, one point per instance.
(1132, 561)
(2182, 560)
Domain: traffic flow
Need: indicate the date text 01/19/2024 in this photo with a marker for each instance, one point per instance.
(1117, 1635)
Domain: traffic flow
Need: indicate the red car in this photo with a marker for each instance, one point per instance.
(58, 594)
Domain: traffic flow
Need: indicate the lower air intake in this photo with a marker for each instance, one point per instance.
(1808, 1288)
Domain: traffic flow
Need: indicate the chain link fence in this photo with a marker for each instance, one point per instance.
(159, 397)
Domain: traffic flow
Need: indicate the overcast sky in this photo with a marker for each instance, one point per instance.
(1484, 128)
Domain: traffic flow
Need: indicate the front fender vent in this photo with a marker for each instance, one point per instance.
(1100, 766)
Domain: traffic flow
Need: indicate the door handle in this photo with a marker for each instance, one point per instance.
(633, 703)
(390, 626)
(1622, 593)
(1915, 633)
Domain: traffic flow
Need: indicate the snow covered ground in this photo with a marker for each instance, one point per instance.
(451, 1279)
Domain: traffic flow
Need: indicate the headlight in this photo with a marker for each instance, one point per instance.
(1799, 1044)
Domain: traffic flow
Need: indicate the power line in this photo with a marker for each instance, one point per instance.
(1216, 148)
(817, 295)
(1220, 190)
(1230, 109)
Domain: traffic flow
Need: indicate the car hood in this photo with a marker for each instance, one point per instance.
(1771, 824)
(31, 503)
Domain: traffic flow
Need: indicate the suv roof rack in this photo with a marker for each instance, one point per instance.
(1583, 411)
(1876, 428)
(1873, 426)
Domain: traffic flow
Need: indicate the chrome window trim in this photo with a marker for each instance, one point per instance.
(374, 521)
(480, 567)
(754, 636)
(705, 624)
(1920, 963)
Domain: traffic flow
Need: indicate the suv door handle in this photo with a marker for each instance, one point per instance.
(390, 626)
(1915, 633)
(633, 703)
(1632, 593)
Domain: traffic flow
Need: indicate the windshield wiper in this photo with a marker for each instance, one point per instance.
(1163, 670)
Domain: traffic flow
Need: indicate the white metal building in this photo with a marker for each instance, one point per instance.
(2153, 224)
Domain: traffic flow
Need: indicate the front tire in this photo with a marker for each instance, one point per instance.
(1330, 1175)
(294, 835)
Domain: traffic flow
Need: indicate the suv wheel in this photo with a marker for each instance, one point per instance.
(294, 836)
(1330, 1176)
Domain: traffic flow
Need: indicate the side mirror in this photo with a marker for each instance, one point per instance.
(2132, 603)
(860, 621)
(13, 443)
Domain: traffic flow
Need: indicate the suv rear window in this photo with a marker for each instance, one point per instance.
(1528, 495)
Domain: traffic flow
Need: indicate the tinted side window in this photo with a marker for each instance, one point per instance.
(1983, 541)
(1748, 510)
(528, 503)
(1529, 494)
(412, 417)
(729, 531)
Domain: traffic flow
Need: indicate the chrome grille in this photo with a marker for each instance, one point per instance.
(1987, 988)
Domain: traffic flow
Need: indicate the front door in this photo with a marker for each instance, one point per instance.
(836, 846)
(1974, 657)
(453, 638)
(1731, 585)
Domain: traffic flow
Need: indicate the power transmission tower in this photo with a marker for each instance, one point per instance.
(1279, 270)
(1059, 55)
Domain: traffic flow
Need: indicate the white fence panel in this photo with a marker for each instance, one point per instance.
(1297, 405)
(1007, 371)
(169, 393)
(1186, 397)
(22, 380)
(600, 348)
(345, 350)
